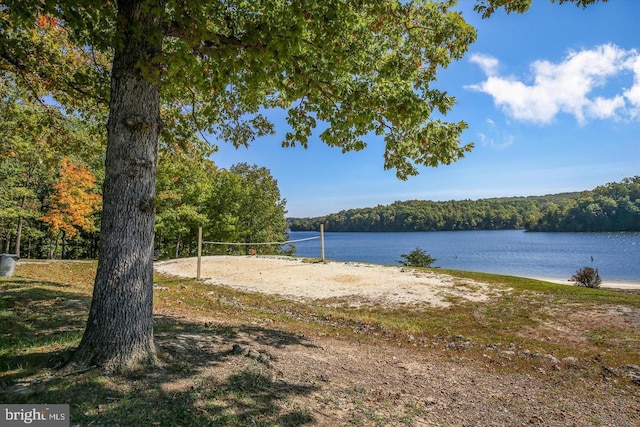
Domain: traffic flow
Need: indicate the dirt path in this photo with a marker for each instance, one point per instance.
(324, 381)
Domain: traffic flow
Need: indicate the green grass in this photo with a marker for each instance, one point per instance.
(43, 310)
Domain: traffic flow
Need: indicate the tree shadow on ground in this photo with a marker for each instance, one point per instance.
(203, 379)
(38, 322)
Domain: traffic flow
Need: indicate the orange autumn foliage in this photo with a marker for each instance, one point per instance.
(47, 21)
(73, 200)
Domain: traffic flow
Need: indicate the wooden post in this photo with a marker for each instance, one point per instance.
(322, 241)
(199, 252)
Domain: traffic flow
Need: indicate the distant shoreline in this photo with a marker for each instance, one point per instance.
(546, 256)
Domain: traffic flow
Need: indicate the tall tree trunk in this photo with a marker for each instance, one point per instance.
(19, 235)
(119, 331)
(63, 254)
(94, 245)
(53, 249)
(23, 205)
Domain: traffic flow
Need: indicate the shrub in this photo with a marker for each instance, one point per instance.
(587, 277)
(417, 258)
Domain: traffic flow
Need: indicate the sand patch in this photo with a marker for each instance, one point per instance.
(296, 279)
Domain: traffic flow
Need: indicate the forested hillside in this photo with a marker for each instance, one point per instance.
(423, 215)
(612, 207)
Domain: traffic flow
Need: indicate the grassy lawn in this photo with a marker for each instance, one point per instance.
(44, 307)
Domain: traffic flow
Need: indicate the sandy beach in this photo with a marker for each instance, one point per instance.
(606, 284)
(299, 279)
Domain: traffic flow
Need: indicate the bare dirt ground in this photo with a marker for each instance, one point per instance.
(326, 381)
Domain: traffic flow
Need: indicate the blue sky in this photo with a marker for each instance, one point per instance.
(552, 100)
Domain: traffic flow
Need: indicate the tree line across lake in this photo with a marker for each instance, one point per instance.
(610, 207)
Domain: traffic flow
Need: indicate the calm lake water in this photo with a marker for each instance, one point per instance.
(512, 252)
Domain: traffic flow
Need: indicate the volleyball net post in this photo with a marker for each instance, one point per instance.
(322, 241)
(201, 242)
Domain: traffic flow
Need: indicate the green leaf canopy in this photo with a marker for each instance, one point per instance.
(361, 67)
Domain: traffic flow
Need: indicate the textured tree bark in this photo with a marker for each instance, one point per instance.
(119, 331)
(19, 232)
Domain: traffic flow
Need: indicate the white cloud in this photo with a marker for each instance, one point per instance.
(565, 87)
(603, 108)
(633, 93)
(488, 64)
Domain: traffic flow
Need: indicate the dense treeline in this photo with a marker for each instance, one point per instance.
(238, 205)
(612, 207)
(50, 175)
(53, 209)
(421, 215)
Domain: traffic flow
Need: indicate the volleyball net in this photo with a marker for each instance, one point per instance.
(261, 243)
(254, 244)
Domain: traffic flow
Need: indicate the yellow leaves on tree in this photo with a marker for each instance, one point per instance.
(73, 200)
